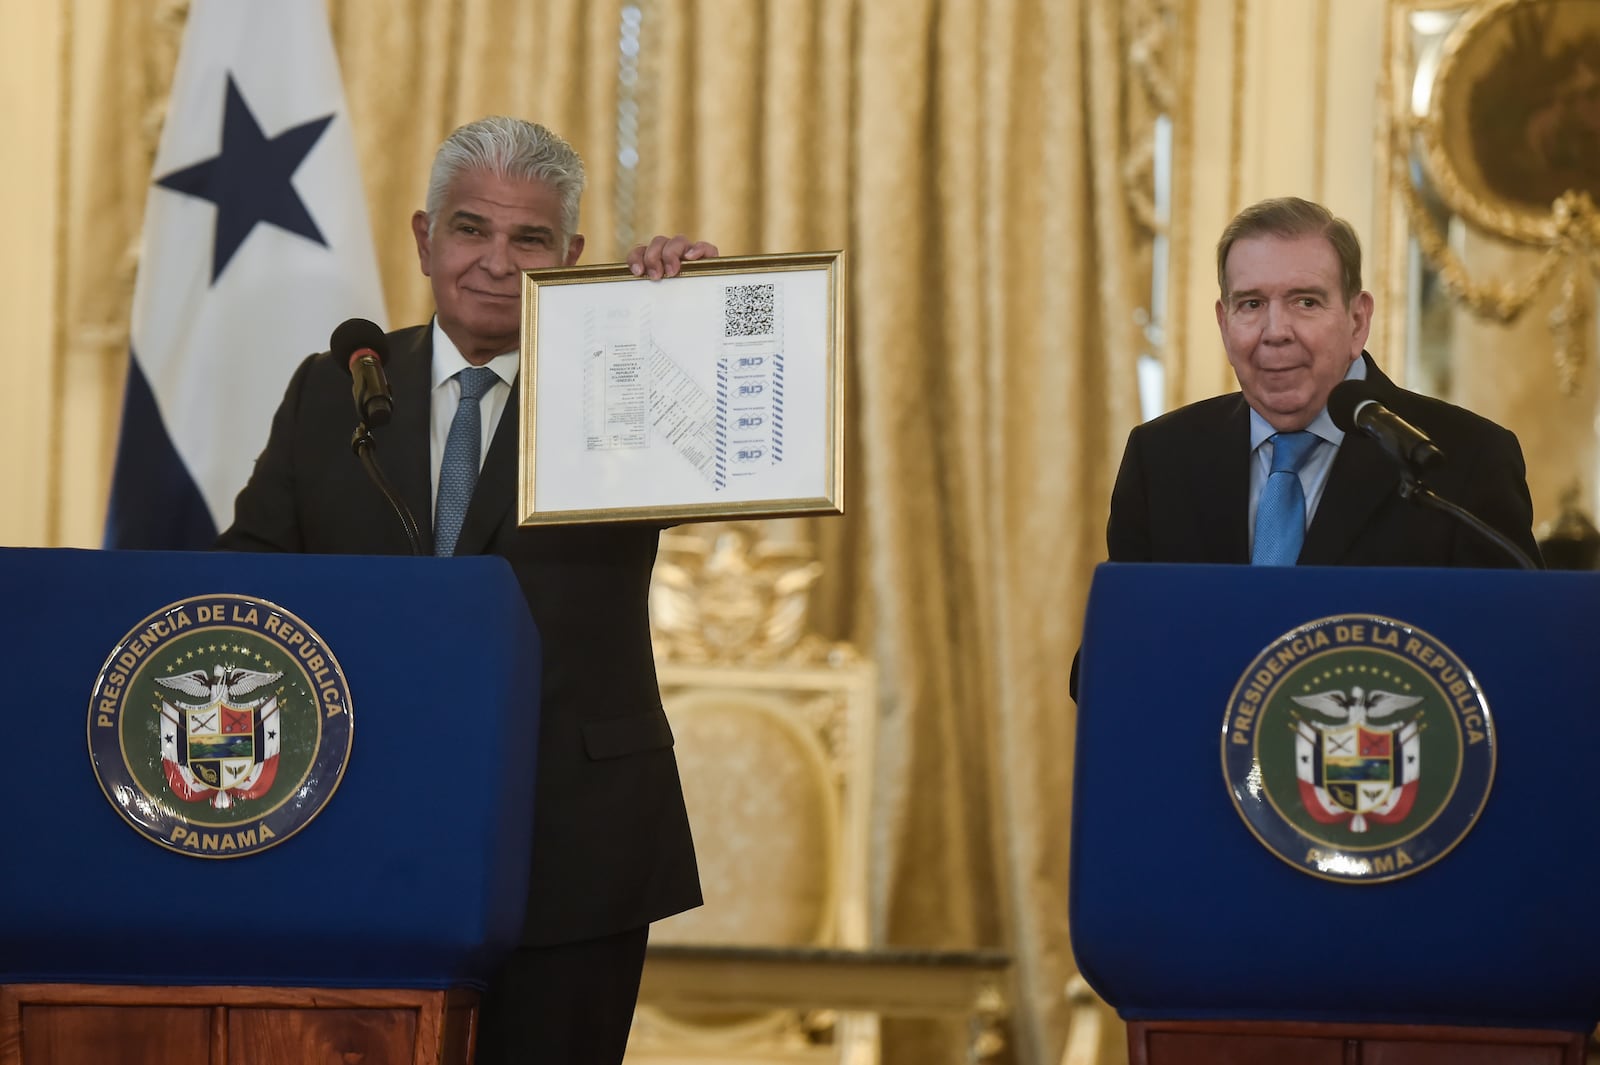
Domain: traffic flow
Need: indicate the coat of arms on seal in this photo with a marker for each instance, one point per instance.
(220, 726)
(224, 748)
(1358, 748)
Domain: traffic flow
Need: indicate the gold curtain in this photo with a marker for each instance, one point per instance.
(966, 155)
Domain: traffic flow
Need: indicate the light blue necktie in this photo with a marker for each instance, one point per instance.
(1281, 510)
(463, 452)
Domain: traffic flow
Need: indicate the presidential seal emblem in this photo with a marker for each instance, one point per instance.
(220, 726)
(1358, 748)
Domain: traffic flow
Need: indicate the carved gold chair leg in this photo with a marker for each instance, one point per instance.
(1085, 1025)
(988, 1027)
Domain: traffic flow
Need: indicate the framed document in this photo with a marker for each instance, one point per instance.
(715, 394)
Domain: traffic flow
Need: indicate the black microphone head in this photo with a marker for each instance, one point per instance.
(358, 335)
(1345, 398)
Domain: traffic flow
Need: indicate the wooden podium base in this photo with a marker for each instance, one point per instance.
(1275, 1042)
(76, 1024)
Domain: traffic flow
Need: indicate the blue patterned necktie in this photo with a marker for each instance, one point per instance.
(1281, 511)
(463, 452)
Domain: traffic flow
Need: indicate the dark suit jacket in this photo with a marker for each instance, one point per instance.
(1182, 494)
(611, 847)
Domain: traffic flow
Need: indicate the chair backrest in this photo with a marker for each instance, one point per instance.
(776, 765)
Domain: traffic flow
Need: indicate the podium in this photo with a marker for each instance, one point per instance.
(1215, 939)
(384, 712)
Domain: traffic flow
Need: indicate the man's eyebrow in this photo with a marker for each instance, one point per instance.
(472, 218)
(1256, 294)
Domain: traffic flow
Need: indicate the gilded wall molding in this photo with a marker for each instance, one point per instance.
(60, 313)
(1433, 102)
(1159, 47)
(636, 88)
(1319, 146)
(1181, 225)
(1241, 13)
(1151, 49)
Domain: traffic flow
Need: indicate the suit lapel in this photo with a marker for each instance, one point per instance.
(496, 487)
(1362, 480)
(404, 447)
(1223, 524)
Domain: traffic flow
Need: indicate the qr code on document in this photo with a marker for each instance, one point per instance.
(747, 310)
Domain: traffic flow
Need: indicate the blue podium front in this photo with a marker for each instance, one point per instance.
(348, 743)
(1184, 907)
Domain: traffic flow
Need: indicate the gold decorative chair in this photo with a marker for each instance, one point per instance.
(774, 737)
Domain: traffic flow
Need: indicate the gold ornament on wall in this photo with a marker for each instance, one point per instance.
(1511, 141)
(1149, 31)
(726, 593)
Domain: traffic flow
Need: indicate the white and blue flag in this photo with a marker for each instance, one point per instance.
(256, 245)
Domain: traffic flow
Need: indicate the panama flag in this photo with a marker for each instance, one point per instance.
(256, 245)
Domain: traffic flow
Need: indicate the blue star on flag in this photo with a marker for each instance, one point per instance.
(249, 180)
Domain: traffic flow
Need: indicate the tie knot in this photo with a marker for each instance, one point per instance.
(1289, 450)
(475, 381)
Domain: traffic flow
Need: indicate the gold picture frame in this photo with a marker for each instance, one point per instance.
(1514, 118)
(715, 394)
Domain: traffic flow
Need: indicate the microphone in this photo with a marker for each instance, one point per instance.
(361, 348)
(1355, 405)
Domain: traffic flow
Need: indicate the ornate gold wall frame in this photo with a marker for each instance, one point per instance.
(1513, 123)
(1493, 118)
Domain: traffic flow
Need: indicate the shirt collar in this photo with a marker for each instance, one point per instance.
(448, 360)
(1322, 425)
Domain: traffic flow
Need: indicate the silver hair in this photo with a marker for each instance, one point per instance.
(509, 148)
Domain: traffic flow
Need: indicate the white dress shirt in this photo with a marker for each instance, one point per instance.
(446, 395)
(1314, 471)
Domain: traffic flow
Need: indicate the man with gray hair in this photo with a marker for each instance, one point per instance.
(611, 847)
(1263, 475)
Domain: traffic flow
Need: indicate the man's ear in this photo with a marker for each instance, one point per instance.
(1361, 314)
(419, 230)
(1222, 318)
(574, 249)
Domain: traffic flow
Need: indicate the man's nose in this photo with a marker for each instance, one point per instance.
(1277, 326)
(497, 257)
